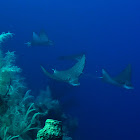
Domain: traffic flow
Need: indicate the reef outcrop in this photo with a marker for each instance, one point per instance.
(51, 131)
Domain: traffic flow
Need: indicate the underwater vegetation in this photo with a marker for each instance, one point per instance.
(5, 36)
(21, 115)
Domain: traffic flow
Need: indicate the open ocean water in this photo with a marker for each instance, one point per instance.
(108, 32)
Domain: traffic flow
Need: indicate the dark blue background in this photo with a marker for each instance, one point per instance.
(108, 32)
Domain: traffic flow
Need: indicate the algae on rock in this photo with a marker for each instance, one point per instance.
(51, 131)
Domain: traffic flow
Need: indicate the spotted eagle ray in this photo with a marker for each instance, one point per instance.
(71, 57)
(122, 80)
(40, 40)
(71, 75)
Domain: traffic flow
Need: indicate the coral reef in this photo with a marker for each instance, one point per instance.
(5, 36)
(16, 115)
(21, 116)
(51, 131)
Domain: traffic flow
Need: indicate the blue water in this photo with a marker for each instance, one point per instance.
(108, 32)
